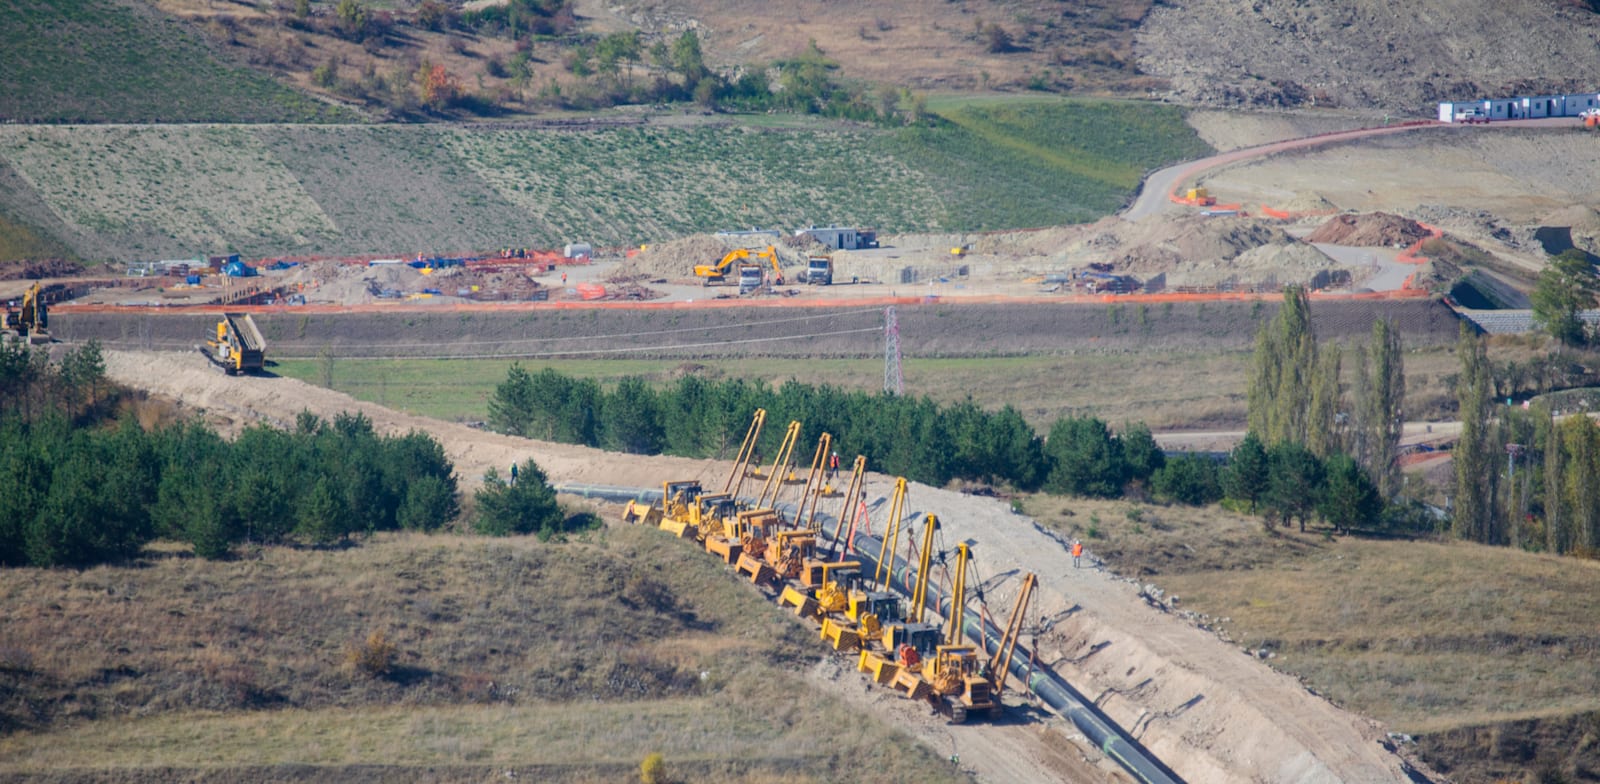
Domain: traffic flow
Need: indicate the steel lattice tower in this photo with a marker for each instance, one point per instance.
(893, 382)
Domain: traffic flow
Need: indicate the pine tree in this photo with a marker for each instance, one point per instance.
(1247, 474)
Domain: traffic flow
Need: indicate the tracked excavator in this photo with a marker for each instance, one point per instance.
(719, 272)
(238, 346)
(28, 321)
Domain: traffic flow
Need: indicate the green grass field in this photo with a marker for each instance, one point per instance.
(172, 192)
(109, 61)
(1172, 390)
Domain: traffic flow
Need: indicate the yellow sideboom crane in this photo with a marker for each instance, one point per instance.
(238, 346)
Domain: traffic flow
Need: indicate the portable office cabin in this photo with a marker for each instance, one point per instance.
(1458, 111)
(1576, 105)
(1542, 106)
(841, 237)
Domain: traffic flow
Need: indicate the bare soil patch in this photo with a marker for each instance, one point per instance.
(1377, 229)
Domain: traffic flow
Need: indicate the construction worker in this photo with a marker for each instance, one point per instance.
(1077, 552)
(833, 466)
(513, 473)
(563, 279)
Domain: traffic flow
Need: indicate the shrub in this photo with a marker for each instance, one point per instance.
(653, 770)
(374, 657)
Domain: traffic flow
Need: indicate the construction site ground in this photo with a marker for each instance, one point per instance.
(1210, 712)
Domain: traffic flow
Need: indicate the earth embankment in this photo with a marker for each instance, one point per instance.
(925, 330)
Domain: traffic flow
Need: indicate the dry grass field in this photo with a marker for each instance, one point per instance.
(1484, 654)
(507, 655)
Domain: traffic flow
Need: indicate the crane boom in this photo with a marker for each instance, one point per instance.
(747, 452)
(1000, 664)
(891, 535)
(814, 480)
(851, 508)
(919, 597)
(780, 465)
(958, 595)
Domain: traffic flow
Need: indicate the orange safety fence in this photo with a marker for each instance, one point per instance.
(1234, 156)
(1409, 255)
(1272, 212)
(779, 302)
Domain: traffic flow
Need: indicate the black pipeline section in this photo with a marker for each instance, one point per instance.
(1055, 692)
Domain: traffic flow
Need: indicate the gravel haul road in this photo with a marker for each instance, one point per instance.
(1208, 711)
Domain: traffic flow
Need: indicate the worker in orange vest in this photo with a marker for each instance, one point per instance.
(1077, 552)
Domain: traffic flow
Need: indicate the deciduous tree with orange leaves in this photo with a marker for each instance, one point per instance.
(440, 88)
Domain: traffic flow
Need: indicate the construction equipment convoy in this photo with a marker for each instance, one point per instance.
(238, 346)
(886, 631)
(28, 320)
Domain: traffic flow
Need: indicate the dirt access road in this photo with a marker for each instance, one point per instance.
(1213, 714)
(1155, 196)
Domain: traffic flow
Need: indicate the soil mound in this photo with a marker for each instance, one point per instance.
(1196, 240)
(676, 259)
(1373, 229)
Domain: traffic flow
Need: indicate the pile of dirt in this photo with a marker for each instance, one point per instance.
(676, 259)
(1162, 247)
(35, 269)
(1373, 229)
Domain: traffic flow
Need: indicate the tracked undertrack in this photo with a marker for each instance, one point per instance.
(1206, 710)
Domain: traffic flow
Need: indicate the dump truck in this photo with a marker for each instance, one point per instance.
(819, 271)
(238, 346)
(28, 320)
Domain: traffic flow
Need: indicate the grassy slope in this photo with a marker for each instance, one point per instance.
(114, 61)
(21, 241)
(510, 652)
(1426, 637)
(1063, 161)
(175, 191)
(1164, 390)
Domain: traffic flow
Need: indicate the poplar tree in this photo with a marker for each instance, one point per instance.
(1473, 515)
(1283, 371)
(1380, 396)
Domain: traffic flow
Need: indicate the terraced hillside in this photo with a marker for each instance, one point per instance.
(128, 193)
